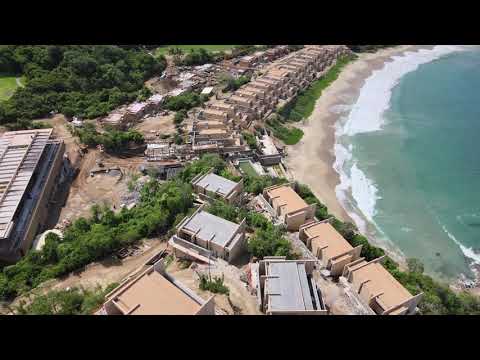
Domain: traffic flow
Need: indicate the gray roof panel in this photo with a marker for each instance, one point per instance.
(215, 183)
(288, 288)
(211, 227)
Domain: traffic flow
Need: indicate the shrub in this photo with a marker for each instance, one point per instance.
(289, 135)
(76, 301)
(114, 141)
(179, 117)
(214, 285)
(87, 240)
(184, 101)
(232, 84)
(251, 140)
(269, 242)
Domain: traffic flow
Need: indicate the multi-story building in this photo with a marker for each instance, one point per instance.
(288, 206)
(284, 79)
(155, 292)
(378, 289)
(287, 287)
(31, 163)
(329, 246)
(204, 237)
(211, 186)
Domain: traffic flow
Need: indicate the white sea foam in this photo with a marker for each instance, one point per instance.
(374, 98)
(468, 252)
(364, 192)
(366, 115)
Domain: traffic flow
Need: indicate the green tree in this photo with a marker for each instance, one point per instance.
(415, 266)
(269, 242)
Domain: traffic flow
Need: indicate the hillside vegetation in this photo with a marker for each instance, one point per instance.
(163, 205)
(302, 106)
(82, 80)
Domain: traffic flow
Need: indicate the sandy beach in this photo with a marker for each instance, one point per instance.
(311, 160)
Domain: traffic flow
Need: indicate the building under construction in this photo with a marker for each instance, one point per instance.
(30, 167)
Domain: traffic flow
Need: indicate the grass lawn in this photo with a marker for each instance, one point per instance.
(212, 48)
(289, 135)
(8, 84)
(248, 169)
(302, 107)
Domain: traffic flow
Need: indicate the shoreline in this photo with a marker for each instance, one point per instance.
(312, 160)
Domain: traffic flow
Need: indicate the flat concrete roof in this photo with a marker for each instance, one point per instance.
(213, 131)
(113, 117)
(152, 294)
(212, 228)
(245, 92)
(221, 105)
(287, 197)
(157, 98)
(215, 183)
(288, 288)
(378, 281)
(324, 234)
(259, 84)
(136, 107)
(207, 123)
(215, 112)
(207, 90)
(277, 72)
(240, 99)
(20, 152)
(253, 89)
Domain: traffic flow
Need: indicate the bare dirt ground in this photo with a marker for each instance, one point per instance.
(102, 273)
(103, 188)
(163, 125)
(160, 86)
(238, 302)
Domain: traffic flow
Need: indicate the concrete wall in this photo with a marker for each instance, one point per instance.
(294, 221)
(336, 267)
(236, 194)
(208, 308)
(40, 213)
(111, 308)
(237, 247)
(338, 263)
(304, 312)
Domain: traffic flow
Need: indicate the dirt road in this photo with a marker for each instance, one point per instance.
(101, 273)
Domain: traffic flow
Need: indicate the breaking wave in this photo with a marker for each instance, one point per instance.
(357, 193)
(468, 252)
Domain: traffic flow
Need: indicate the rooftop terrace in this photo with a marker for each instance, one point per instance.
(285, 196)
(153, 294)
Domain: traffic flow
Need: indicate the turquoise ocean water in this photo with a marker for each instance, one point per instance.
(414, 170)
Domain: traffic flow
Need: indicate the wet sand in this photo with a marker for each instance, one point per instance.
(311, 160)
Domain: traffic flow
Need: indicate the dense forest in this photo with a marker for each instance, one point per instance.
(81, 80)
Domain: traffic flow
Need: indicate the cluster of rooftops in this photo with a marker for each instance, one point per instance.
(281, 286)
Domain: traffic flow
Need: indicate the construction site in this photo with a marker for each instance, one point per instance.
(33, 170)
(38, 164)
